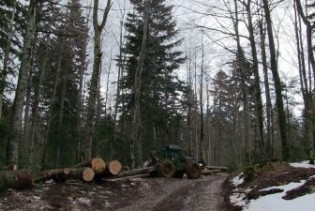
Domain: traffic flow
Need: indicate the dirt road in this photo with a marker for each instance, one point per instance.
(146, 194)
(204, 194)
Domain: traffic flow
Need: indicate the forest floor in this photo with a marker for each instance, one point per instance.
(275, 186)
(156, 194)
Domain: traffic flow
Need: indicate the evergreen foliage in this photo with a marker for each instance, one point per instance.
(161, 89)
(67, 63)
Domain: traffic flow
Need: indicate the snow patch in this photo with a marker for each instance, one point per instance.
(238, 180)
(303, 164)
(274, 202)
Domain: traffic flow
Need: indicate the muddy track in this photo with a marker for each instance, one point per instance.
(182, 194)
(138, 194)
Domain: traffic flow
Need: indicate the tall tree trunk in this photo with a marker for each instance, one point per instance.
(201, 154)
(58, 160)
(17, 111)
(50, 117)
(307, 92)
(190, 103)
(240, 61)
(6, 56)
(107, 86)
(120, 68)
(136, 119)
(86, 147)
(277, 83)
(208, 128)
(269, 110)
(196, 110)
(35, 149)
(259, 106)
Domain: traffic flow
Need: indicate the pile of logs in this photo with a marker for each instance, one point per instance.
(94, 170)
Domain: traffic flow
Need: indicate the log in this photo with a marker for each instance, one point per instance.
(58, 175)
(210, 172)
(113, 168)
(145, 175)
(97, 164)
(135, 172)
(12, 167)
(221, 168)
(18, 179)
(84, 174)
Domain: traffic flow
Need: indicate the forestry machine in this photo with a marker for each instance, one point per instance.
(173, 161)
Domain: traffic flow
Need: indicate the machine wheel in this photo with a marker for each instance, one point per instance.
(192, 170)
(165, 168)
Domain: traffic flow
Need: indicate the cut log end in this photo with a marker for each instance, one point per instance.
(88, 175)
(98, 165)
(114, 167)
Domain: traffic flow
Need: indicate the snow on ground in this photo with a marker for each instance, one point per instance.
(274, 202)
(238, 180)
(304, 164)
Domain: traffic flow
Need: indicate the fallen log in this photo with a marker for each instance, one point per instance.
(135, 172)
(221, 168)
(112, 169)
(18, 179)
(12, 167)
(84, 174)
(145, 175)
(210, 172)
(97, 164)
(58, 175)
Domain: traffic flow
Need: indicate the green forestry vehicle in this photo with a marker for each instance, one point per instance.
(173, 161)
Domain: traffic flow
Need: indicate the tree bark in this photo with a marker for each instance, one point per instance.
(97, 164)
(136, 119)
(277, 83)
(259, 106)
(305, 85)
(86, 148)
(240, 62)
(113, 168)
(85, 174)
(201, 154)
(19, 179)
(6, 56)
(137, 172)
(269, 110)
(17, 111)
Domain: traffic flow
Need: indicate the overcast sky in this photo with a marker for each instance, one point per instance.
(218, 46)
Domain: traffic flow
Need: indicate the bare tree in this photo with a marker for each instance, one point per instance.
(277, 83)
(306, 83)
(86, 148)
(136, 120)
(17, 111)
(3, 74)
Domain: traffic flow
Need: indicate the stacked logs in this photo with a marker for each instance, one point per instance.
(93, 170)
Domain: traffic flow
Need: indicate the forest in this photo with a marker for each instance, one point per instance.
(118, 79)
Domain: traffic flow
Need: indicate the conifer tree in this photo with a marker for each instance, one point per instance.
(151, 87)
